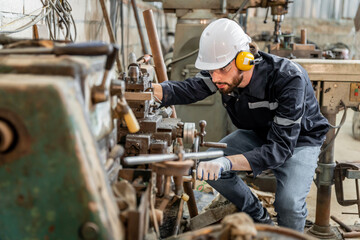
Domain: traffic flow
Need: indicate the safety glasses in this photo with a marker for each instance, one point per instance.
(222, 70)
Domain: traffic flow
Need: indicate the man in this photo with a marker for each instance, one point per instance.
(271, 100)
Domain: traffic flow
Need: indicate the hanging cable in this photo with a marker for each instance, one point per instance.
(60, 18)
(338, 127)
(34, 21)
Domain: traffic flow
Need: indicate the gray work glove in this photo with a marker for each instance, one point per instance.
(211, 170)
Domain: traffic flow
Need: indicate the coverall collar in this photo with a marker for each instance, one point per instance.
(257, 85)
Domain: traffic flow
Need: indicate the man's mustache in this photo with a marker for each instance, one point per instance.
(222, 83)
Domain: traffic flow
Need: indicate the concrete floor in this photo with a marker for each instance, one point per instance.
(347, 149)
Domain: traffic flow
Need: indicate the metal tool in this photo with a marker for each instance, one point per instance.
(349, 233)
(202, 134)
(347, 171)
(100, 93)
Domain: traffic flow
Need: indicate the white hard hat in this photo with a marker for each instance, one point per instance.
(220, 41)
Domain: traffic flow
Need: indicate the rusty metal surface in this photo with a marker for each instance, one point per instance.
(55, 177)
(321, 227)
(20, 144)
(173, 168)
(85, 71)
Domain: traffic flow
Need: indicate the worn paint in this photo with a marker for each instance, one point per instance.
(46, 193)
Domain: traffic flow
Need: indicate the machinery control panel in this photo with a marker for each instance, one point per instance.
(336, 82)
(354, 92)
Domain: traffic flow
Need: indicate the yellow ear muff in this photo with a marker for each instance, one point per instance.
(244, 61)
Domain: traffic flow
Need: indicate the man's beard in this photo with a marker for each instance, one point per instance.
(235, 83)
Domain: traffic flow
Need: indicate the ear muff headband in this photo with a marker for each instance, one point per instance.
(244, 61)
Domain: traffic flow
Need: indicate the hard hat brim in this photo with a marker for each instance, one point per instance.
(209, 66)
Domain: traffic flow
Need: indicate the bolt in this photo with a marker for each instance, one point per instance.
(89, 231)
(180, 124)
(99, 94)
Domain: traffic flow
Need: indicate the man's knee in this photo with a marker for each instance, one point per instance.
(290, 205)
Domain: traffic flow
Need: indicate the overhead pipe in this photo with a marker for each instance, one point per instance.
(155, 46)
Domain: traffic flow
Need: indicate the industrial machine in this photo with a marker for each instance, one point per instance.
(72, 145)
(66, 124)
(56, 145)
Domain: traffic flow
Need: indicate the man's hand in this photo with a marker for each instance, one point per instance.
(211, 170)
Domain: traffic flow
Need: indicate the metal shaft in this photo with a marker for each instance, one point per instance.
(322, 217)
(193, 211)
(179, 217)
(303, 39)
(343, 225)
(351, 235)
(153, 158)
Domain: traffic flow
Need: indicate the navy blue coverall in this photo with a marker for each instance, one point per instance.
(278, 105)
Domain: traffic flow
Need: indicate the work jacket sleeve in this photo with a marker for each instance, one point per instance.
(285, 128)
(189, 91)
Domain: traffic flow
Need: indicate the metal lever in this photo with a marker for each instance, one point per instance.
(122, 109)
(153, 158)
(99, 93)
(202, 134)
(81, 49)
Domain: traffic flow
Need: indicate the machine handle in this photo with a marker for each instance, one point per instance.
(111, 57)
(81, 49)
(153, 158)
(87, 49)
(214, 144)
(131, 121)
